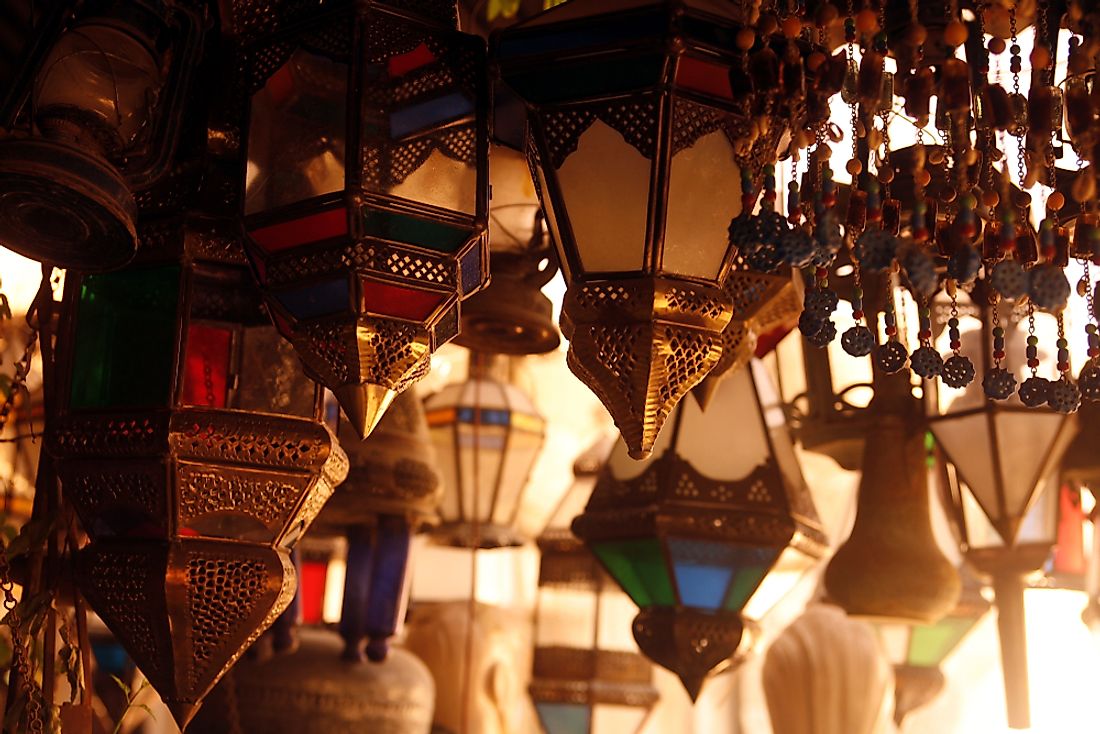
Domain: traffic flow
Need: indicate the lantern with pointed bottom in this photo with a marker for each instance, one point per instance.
(637, 142)
(191, 447)
(716, 525)
(103, 113)
(366, 187)
(487, 435)
(588, 677)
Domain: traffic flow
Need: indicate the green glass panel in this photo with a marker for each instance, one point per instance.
(930, 644)
(126, 335)
(639, 568)
(744, 584)
(413, 230)
(564, 718)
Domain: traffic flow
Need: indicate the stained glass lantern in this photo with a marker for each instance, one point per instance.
(487, 435)
(192, 449)
(588, 676)
(366, 187)
(637, 142)
(918, 651)
(714, 527)
(392, 490)
(97, 119)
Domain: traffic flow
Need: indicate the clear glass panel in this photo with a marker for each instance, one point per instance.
(271, 378)
(297, 133)
(486, 394)
(705, 441)
(784, 574)
(566, 617)
(444, 440)
(480, 454)
(639, 568)
(605, 187)
(617, 611)
(704, 193)
(614, 719)
(552, 220)
(512, 210)
(968, 445)
(1040, 524)
(563, 718)
(572, 504)
(1024, 442)
(441, 181)
(523, 449)
(980, 532)
(932, 643)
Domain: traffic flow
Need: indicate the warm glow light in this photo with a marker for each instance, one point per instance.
(19, 279)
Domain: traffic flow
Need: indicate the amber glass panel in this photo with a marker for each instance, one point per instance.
(297, 133)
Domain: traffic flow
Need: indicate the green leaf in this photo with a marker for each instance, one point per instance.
(32, 535)
(147, 710)
(118, 682)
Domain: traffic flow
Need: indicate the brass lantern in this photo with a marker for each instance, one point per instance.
(487, 435)
(97, 120)
(192, 449)
(588, 676)
(717, 525)
(366, 186)
(637, 143)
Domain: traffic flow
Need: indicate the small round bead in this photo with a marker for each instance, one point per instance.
(1032, 340)
(746, 37)
(867, 21)
(1056, 201)
(997, 45)
(1033, 363)
(955, 34)
(792, 26)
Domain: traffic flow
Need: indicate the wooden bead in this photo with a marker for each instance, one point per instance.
(1040, 57)
(1056, 201)
(886, 174)
(948, 194)
(867, 21)
(935, 156)
(768, 24)
(955, 33)
(746, 37)
(922, 177)
(917, 34)
(997, 45)
(853, 167)
(991, 198)
(792, 26)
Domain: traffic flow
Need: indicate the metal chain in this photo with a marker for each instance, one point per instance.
(1031, 331)
(994, 302)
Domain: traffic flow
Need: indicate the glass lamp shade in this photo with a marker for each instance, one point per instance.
(715, 524)
(189, 443)
(366, 190)
(637, 142)
(103, 109)
(487, 435)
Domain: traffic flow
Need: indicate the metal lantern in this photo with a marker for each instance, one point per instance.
(96, 119)
(192, 449)
(918, 651)
(365, 186)
(637, 144)
(392, 489)
(588, 676)
(487, 435)
(717, 525)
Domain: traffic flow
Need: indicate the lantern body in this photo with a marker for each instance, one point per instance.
(636, 143)
(103, 109)
(365, 190)
(188, 444)
(487, 435)
(716, 524)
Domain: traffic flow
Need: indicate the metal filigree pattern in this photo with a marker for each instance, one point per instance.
(635, 119)
(587, 676)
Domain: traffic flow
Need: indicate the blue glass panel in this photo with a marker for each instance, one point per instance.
(447, 328)
(471, 270)
(110, 657)
(564, 718)
(712, 575)
(317, 299)
(429, 114)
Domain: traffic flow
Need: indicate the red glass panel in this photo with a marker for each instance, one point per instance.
(1069, 553)
(767, 342)
(281, 84)
(402, 303)
(403, 64)
(206, 366)
(704, 76)
(311, 585)
(317, 227)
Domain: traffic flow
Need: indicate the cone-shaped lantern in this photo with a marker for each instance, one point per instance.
(637, 142)
(891, 567)
(366, 186)
(716, 524)
(96, 121)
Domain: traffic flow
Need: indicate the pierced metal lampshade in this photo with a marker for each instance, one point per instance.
(717, 525)
(637, 141)
(365, 186)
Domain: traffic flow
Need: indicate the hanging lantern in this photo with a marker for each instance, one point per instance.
(637, 142)
(890, 566)
(392, 490)
(97, 120)
(487, 435)
(717, 525)
(512, 316)
(192, 449)
(588, 676)
(366, 188)
(918, 651)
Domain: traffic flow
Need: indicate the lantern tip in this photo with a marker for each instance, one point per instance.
(693, 684)
(364, 405)
(183, 712)
(704, 391)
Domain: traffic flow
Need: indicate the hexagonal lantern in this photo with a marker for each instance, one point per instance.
(365, 185)
(636, 141)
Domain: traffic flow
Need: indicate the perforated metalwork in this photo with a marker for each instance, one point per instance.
(118, 586)
(90, 490)
(206, 491)
(222, 593)
(257, 440)
(635, 119)
(98, 436)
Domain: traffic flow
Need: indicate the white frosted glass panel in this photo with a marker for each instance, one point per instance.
(1040, 524)
(728, 441)
(573, 504)
(704, 194)
(979, 531)
(443, 439)
(441, 181)
(566, 617)
(617, 719)
(487, 394)
(512, 209)
(480, 456)
(967, 443)
(515, 468)
(624, 467)
(1024, 441)
(605, 187)
(895, 641)
(617, 613)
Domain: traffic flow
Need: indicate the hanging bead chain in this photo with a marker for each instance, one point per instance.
(1089, 379)
(1032, 342)
(794, 206)
(1063, 395)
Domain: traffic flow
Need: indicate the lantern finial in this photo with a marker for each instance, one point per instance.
(690, 643)
(364, 405)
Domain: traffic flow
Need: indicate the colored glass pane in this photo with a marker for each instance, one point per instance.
(447, 327)
(397, 301)
(564, 718)
(704, 76)
(316, 299)
(412, 230)
(319, 227)
(311, 584)
(206, 366)
(711, 574)
(406, 62)
(639, 568)
(429, 114)
(472, 279)
(930, 644)
(126, 336)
